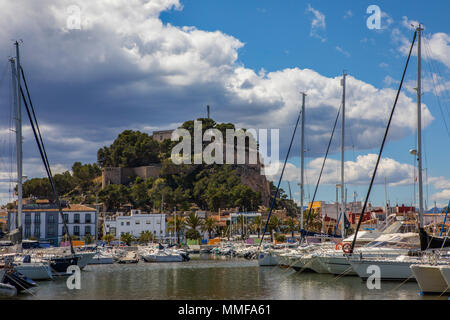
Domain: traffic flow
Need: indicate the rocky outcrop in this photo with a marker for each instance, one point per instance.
(252, 177)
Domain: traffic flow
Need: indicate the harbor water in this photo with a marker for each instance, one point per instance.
(217, 277)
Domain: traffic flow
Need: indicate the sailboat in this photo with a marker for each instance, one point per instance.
(55, 264)
(402, 267)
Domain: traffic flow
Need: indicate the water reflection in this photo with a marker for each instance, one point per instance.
(216, 277)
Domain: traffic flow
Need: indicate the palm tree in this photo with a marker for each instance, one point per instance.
(291, 225)
(146, 236)
(274, 225)
(240, 222)
(209, 225)
(177, 225)
(257, 222)
(108, 238)
(127, 238)
(193, 221)
(315, 222)
(88, 239)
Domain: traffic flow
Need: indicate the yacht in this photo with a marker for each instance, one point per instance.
(335, 261)
(445, 271)
(102, 257)
(430, 278)
(161, 254)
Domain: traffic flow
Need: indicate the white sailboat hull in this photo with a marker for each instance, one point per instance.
(389, 269)
(337, 265)
(266, 259)
(445, 272)
(162, 258)
(84, 258)
(429, 278)
(35, 270)
(102, 260)
(316, 265)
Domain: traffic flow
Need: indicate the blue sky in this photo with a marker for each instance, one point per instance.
(150, 65)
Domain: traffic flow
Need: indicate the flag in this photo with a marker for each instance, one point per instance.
(346, 222)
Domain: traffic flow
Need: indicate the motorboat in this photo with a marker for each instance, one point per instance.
(161, 254)
(7, 290)
(102, 257)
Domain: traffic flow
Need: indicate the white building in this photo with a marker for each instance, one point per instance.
(43, 221)
(136, 223)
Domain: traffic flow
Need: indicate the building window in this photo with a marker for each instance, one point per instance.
(138, 222)
(76, 230)
(27, 232)
(148, 222)
(66, 218)
(51, 231)
(87, 218)
(27, 218)
(76, 218)
(121, 223)
(37, 231)
(87, 230)
(51, 219)
(128, 223)
(37, 218)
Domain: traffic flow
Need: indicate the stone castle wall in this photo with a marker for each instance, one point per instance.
(112, 175)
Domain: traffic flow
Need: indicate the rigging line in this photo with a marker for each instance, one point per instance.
(382, 146)
(4, 73)
(34, 118)
(321, 171)
(12, 146)
(279, 181)
(47, 167)
(437, 97)
(437, 71)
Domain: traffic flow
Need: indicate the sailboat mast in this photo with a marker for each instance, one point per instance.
(302, 176)
(419, 121)
(15, 68)
(343, 205)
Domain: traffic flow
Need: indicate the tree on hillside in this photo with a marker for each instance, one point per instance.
(114, 196)
(130, 149)
(139, 194)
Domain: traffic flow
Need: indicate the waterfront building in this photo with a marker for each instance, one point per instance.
(136, 223)
(41, 220)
